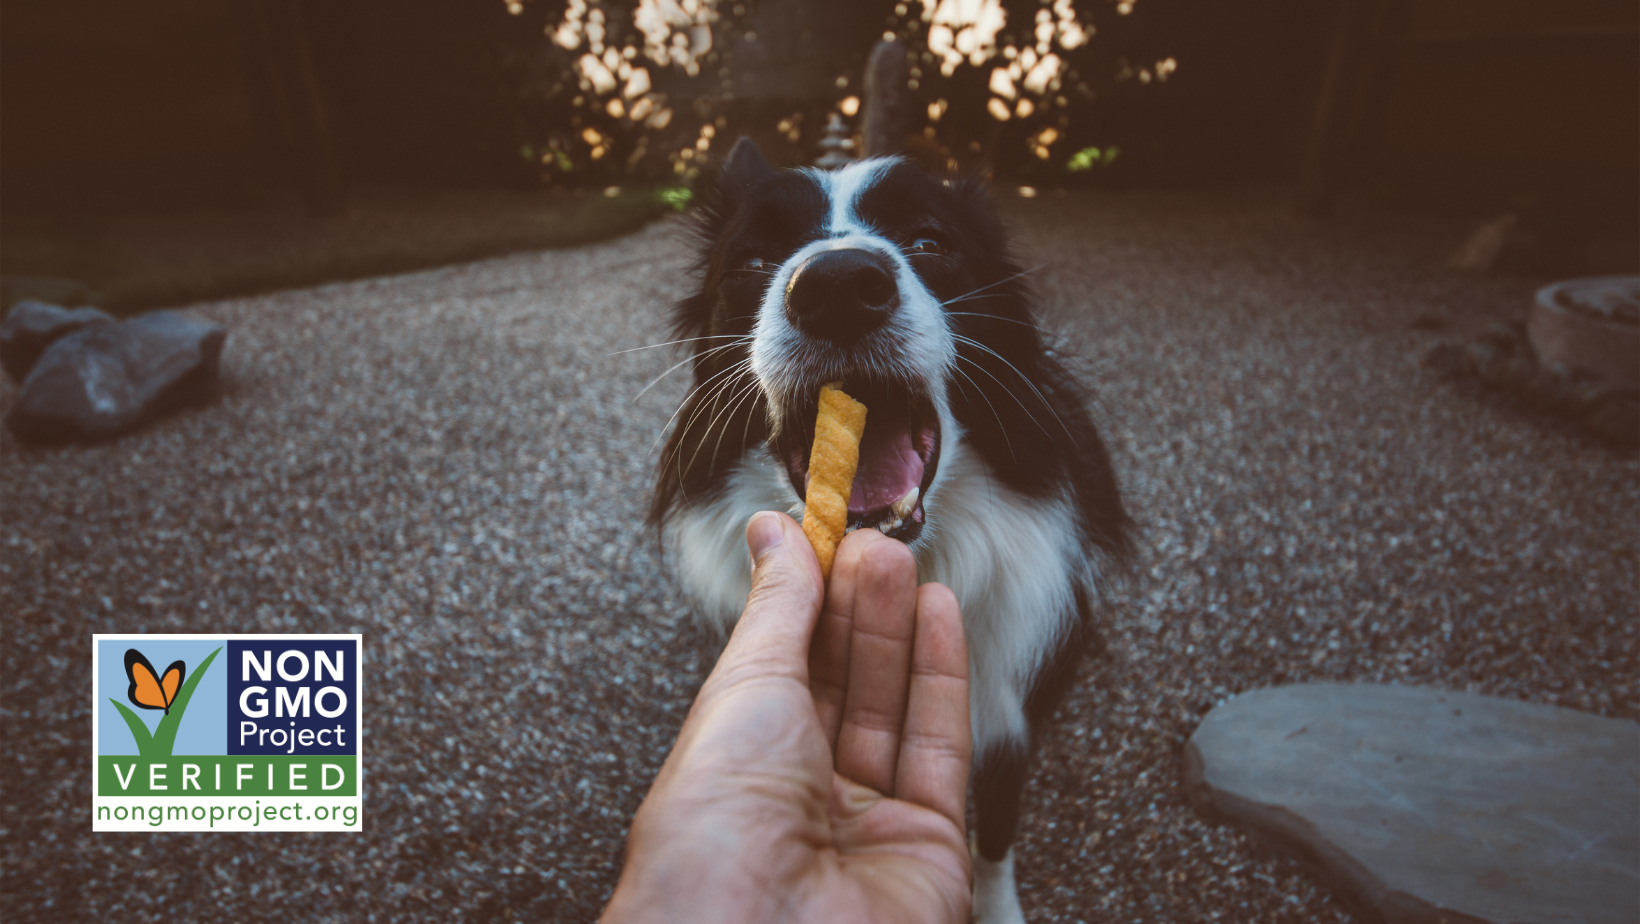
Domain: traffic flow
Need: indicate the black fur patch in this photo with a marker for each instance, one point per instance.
(766, 217)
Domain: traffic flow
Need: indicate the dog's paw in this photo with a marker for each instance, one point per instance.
(996, 900)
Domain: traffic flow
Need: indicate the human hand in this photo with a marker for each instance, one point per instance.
(822, 773)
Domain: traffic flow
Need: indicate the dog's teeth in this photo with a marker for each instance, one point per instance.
(795, 511)
(904, 506)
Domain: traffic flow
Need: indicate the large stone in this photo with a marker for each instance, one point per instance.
(110, 378)
(1425, 805)
(31, 326)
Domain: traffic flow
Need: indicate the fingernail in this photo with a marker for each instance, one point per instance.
(853, 799)
(765, 532)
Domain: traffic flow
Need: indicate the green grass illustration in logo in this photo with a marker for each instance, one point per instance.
(151, 689)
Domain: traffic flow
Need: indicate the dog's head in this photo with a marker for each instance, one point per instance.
(876, 275)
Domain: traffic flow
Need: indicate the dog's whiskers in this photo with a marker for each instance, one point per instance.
(746, 428)
(749, 388)
(715, 401)
(1007, 391)
(685, 361)
(1022, 377)
(993, 285)
(710, 398)
(692, 393)
(995, 317)
(656, 346)
(1001, 427)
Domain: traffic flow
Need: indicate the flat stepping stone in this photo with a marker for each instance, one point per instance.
(1426, 805)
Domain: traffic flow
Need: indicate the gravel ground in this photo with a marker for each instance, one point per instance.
(451, 462)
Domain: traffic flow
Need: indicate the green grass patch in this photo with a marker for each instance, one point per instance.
(136, 262)
(159, 745)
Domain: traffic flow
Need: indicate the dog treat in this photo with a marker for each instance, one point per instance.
(836, 453)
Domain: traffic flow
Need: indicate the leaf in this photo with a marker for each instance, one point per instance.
(165, 737)
(139, 731)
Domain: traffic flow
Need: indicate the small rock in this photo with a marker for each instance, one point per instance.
(1426, 805)
(109, 378)
(31, 326)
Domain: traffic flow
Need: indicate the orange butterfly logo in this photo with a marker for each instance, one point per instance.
(149, 688)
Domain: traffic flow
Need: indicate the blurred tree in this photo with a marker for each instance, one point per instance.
(646, 88)
(610, 89)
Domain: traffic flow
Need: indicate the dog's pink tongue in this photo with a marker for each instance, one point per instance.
(889, 463)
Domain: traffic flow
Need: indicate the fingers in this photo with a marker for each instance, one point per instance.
(879, 667)
(828, 654)
(772, 636)
(936, 743)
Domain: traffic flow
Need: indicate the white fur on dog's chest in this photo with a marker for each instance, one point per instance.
(1012, 561)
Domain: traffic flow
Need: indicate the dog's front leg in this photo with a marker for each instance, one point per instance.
(999, 776)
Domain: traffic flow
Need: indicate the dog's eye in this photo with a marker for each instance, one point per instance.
(754, 265)
(926, 245)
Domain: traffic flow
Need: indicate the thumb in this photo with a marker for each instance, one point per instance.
(784, 604)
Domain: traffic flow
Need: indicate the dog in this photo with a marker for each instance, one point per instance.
(979, 450)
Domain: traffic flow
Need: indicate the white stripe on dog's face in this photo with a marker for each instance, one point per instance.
(915, 345)
(843, 189)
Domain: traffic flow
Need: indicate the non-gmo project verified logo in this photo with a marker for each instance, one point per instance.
(226, 733)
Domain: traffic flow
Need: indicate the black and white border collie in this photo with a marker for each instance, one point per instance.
(978, 452)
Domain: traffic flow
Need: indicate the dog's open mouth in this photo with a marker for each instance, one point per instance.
(898, 456)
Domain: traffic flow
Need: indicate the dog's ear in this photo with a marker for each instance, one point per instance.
(744, 167)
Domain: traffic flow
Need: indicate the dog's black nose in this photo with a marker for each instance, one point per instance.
(842, 295)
